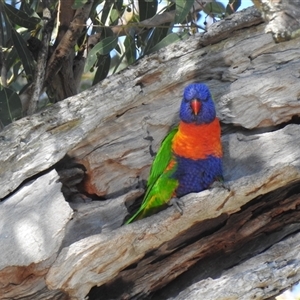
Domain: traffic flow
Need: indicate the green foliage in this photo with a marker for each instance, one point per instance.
(215, 8)
(123, 36)
(218, 9)
(79, 3)
(182, 10)
(130, 46)
(147, 9)
(10, 106)
(102, 48)
(232, 6)
(24, 54)
(103, 65)
(21, 17)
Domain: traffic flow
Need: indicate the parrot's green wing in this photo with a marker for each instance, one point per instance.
(162, 158)
(160, 185)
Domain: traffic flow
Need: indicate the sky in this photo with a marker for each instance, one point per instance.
(244, 4)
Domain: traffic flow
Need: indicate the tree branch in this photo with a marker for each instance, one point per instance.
(3, 78)
(283, 18)
(139, 27)
(3, 70)
(260, 277)
(65, 16)
(68, 41)
(36, 88)
(150, 253)
(155, 21)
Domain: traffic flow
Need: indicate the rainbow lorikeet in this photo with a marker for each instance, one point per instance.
(190, 157)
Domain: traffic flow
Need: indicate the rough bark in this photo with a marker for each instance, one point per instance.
(261, 276)
(101, 143)
(150, 253)
(32, 229)
(283, 18)
(61, 77)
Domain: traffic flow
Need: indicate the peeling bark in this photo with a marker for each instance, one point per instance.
(60, 76)
(283, 18)
(150, 253)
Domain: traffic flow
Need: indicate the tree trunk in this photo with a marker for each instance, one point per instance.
(235, 243)
(282, 16)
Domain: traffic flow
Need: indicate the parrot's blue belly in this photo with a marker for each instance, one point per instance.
(196, 175)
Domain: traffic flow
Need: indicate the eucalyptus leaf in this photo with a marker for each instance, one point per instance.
(214, 8)
(20, 18)
(130, 49)
(103, 65)
(155, 36)
(106, 11)
(107, 32)
(10, 106)
(147, 9)
(119, 5)
(111, 12)
(182, 9)
(78, 3)
(5, 31)
(114, 17)
(2, 34)
(16, 70)
(24, 54)
(102, 48)
(27, 9)
(118, 49)
(232, 6)
(34, 4)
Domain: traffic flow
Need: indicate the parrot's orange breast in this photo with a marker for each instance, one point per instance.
(198, 141)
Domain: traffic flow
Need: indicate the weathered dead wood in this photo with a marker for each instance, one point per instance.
(36, 88)
(100, 258)
(97, 217)
(32, 223)
(212, 242)
(283, 17)
(257, 278)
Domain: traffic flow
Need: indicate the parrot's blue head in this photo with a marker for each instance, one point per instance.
(197, 105)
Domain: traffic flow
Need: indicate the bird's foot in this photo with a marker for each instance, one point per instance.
(177, 203)
(220, 184)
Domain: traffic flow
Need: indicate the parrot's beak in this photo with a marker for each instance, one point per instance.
(196, 106)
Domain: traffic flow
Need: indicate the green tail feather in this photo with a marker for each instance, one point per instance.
(160, 185)
(157, 198)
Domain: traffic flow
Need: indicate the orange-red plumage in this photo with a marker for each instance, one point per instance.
(198, 141)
